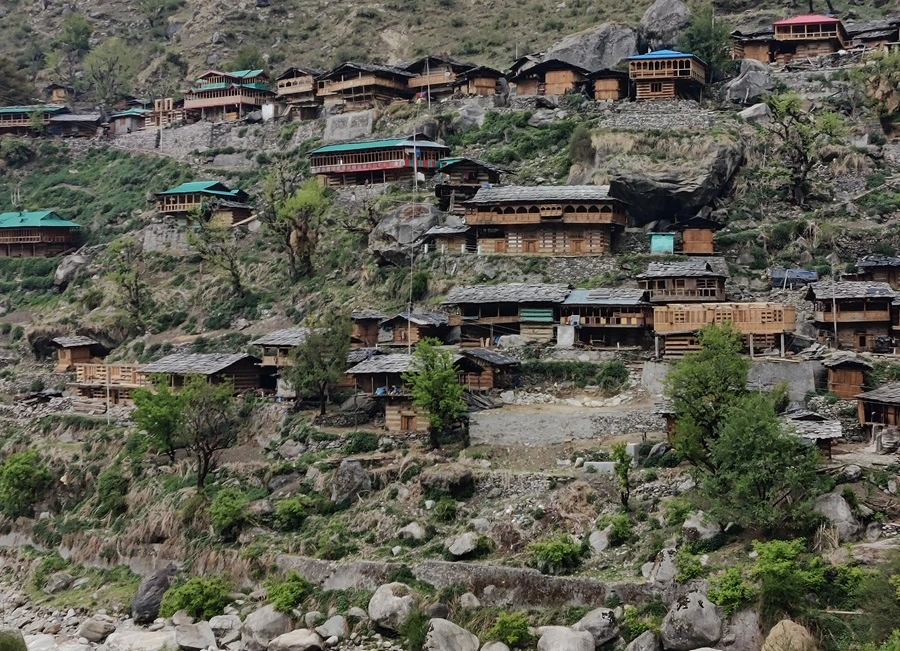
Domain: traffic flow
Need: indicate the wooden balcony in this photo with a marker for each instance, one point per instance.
(230, 99)
(21, 121)
(808, 33)
(458, 319)
(747, 318)
(181, 206)
(112, 375)
(46, 236)
(630, 321)
(328, 87)
(292, 86)
(434, 79)
(360, 167)
(658, 69)
(490, 218)
(687, 294)
(854, 317)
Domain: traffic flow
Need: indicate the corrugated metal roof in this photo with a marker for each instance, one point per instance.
(680, 269)
(869, 261)
(378, 144)
(74, 342)
(35, 219)
(285, 337)
(507, 293)
(134, 112)
(848, 289)
(664, 54)
(214, 188)
(610, 296)
(516, 193)
(889, 393)
(196, 364)
(43, 108)
(490, 356)
(807, 19)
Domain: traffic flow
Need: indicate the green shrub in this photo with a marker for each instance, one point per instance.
(49, 564)
(621, 531)
(688, 565)
(580, 148)
(286, 595)
(228, 512)
(511, 629)
(730, 591)
(784, 579)
(24, 480)
(361, 442)
(560, 555)
(112, 487)
(414, 630)
(419, 288)
(200, 597)
(445, 509)
(609, 376)
(9, 641)
(291, 512)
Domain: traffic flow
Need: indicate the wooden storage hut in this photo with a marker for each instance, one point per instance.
(679, 282)
(878, 268)
(214, 200)
(22, 120)
(550, 77)
(697, 235)
(36, 233)
(296, 87)
(75, 125)
(450, 239)
(667, 74)
(792, 278)
(846, 375)
(809, 35)
(880, 408)
(365, 328)
(76, 350)
(478, 82)
(757, 45)
(130, 121)
(228, 96)
(498, 371)
(484, 313)
(459, 179)
(376, 161)
(875, 34)
(238, 368)
(814, 429)
(435, 76)
(166, 112)
(860, 311)
(277, 346)
(545, 220)
(609, 85)
(360, 86)
(111, 383)
(408, 329)
(606, 318)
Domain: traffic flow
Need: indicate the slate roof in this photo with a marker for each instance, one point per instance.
(803, 414)
(546, 66)
(35, 219)
(850, 359)
(517, 193)
(359, 315)
(680, 269)
(357, 355)
(447, 163)
(285, 337)
(77, 117)
(422, 318)
(889, 393)
(480, 71)
(490, 356)
(74, 342)
(196, 364)
(302, 70)
(869, 261)
(848, 289)
(816, 430)
(366, 67)
(507, 293)
(393, 363)
(420, 66)
(611, 296)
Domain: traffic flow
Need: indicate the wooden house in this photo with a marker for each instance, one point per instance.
(813, 429)
(697, 235)
(484, 313)
(111, 383)
(875, 34)
(792, 278)
(238, 368)
(28, 120)
(545, 220)
(809, 35)
(550, 77)
(667, 74)
(228, 96)
(37, 233)
(76, 350)
(297, 88)
(408, 329)
(525, 62)
(166, 111)
(75, 125)
(217, 202)
(605, 318)
(860, 311)
(609, 85)
(880, 410)
(846, 375)
(878, 268)
(376, 161)
(757, 45)
(360, 86)
(59, 93)
(458, 179)
(365, 328)
(450, 239)
(479, 82)
(130, 121)
(680, 282)
(277, 348)
(435, 77)
(498, 371)
(763, 325)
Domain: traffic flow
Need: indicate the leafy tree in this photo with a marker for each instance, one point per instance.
(75, 34)
(799, 135)
(247, 57)
(160, 412)
(784, 578)
(128, 273)
(764, 477)
(703, 387)
(15, 90)
(622, 466)
(435, 388)
(292, 216)
(24, 480)
(15, 152)
(201, 597)
(320, 361)
(710, 40)
(210, 422)
(110, 69)
(219, 247)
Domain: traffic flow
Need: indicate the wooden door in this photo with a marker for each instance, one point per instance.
(576, 246)
(500, 246)
(530, 246)
(407, 423)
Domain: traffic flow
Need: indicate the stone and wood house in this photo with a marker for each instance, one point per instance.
(296, 87)
(545, 220)
(242, 370)
(479, 82)
(859, 311)
(216, 201)
(360, 86)
(683, 281)
(605, 318)
(228, 96)
(128, 121)
(846, 375)
(376, 161)
(550, 77)
(74, 350)
(878, 268)
(408, 329)
(697, 235)
(609, 85)
(667, 74)
(799, 37)
(28, 120)
(277, 348)
(459, 179)
(37, 233)
(364, 332)
(813, 429)
(434, 76)
(879, 411)
(498, 370)
(110, 383)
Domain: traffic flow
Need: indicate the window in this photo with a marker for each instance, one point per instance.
(656, 86)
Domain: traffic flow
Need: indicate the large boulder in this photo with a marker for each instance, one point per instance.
(654, 194)
(664, 570)
(789, 636)
(462, 545)
(452, 479)
(146, 601)
(195, 637)
(563, 638)
(600, 623)
(58, 581)
(391, 606)
(446, 636)
(753, 82)
(692, 622)
(302, 639)
(699, 527)
(95, 630)
(130, 640)
(224, 625)
(335, 626)
(743, 631)
(350, 479)
(646, 641)
(402, 231)
(262, 626)
(40, 642)
(834, 508)
(600, 47)
(663, 22)
(756, 114)
(68, 269)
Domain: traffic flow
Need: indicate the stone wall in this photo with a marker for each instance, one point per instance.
(547, 427)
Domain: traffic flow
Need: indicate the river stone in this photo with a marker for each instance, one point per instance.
(600, 623)
(141, 640)
(444, 636)
(302, 639)
(195, 637)
(262, 626)
(42, 642)
(563, 638)
(692, 622)
(789, 635)
(663, 22)
(391, 606)
(146, 601)
(646, 641)
(224, 624)
(95, 630)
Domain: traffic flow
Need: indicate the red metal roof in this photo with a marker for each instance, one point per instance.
(807, 19)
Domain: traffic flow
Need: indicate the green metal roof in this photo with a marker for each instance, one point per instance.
(204, 187)
(376, 144)
(35, 218)
(223, 86)
(134, 112)
(245, 73)
(44, 108)
(448, 161)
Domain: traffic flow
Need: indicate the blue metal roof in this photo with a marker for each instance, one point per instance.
(664, 54)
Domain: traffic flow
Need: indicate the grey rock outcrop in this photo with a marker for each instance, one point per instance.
(600, 47)
(302, 639)
(664, 569)
(463, 545)
(495, 646)
(699, 527)
(834, 508)
(753, 82)
(224, 625)
(262, 626)
(402, 231)
(787, 634)
(57, 582)
(599, 540)
(146, 601)
(743, 631)
(692, 622)
(646, 641)
(95, 630)
(391, 606)
(663, 23)
(412, 531)
(756, 114)
(195, 637)
(600, 623)
(470, 114)
(444, 636)
(350, 479)
(563, 638)
(68, 269)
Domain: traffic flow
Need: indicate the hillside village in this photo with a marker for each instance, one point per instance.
(587, 348)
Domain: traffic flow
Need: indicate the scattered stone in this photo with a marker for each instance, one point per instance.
(756, 114)
(599, 540)
(391, 606)
(181, 618)
(146, 601)
(664, 569)
(350, 479)
(412, 531)
(563, 638)
(444, 636)
(312, 619)
(601, 624)
(437, 611)
(334, 627)
(358, 614)
(873, 531)
(463, 545)
(195, 637)
(852, 472)
(41, 642)
(262, 626)
(302, 639)
(57, 582)
(468, 601)
(836, 510)
(223, 624)
(698, 527)
(692, 622)
(95, 630)
(646, 641)
(142, 641)
(789, 635)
